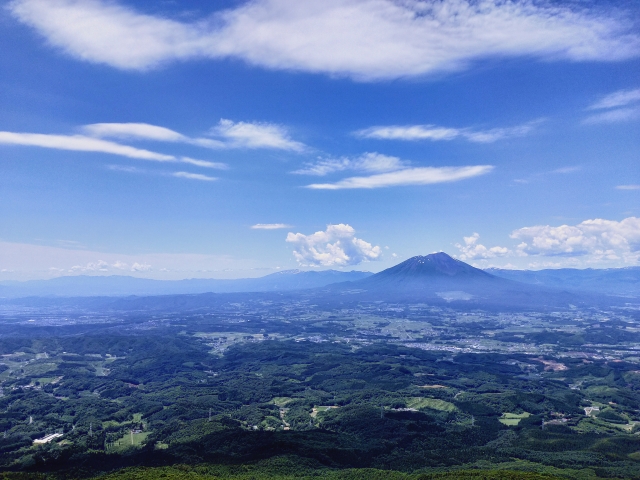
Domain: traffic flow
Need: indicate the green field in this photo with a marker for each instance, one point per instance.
(513, 419)
(127, 441)
(433, 403)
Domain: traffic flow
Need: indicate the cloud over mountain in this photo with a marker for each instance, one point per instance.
(336, 246)
(596, 241)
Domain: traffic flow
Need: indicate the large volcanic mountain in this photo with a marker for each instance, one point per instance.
(439, 278)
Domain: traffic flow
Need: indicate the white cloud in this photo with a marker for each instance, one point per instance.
(204, 163)
(628, 187)
(592, 243)
(563, 170)
(102, 266)
(617, 107)
(408, 176)
(270, 226)
(256, 135)
(495, 134)
(140, 267)
(336, 246)
(621, 98)
(99, 266)
(125, 168)
(23, 261)
(133, 130)
(409, 132)
(363, 39)
(80, 143)
(472, 250)
(231, 135)
(614, 116)
(436, 133)
(194, 176)
(597, 239)
(368, 162)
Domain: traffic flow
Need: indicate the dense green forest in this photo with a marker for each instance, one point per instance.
(163, 399)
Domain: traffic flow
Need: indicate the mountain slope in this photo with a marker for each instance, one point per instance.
(441, 279)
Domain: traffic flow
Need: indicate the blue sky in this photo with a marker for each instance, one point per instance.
(178, 139)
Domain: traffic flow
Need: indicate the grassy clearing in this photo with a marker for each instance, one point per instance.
(433, 403)
(128, 440)
(321, 408)
(513, 419)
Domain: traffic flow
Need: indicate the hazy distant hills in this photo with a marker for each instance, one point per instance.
(88, 286)
(435, 279)
(611, 281)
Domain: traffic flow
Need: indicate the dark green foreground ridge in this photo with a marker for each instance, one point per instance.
(205, 472)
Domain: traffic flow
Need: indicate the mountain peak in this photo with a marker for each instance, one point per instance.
(438, 264)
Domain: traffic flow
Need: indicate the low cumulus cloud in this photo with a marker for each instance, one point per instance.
(335, 247)
(102, 266)
(361, 39)
(596, 241)
(472, 250)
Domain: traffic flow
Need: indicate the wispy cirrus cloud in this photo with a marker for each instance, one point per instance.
(617, 115)
(255, 135)
(141, 171)
(270, 226)
(367, 162)
(628, 187)
(620, 98)
(229, 134)
(194, 176)
(438, 133)
(557, 171)
(362, 39)
(83, 143)
(619, 106)
(407, 177)
(80, 143)
(385, 171)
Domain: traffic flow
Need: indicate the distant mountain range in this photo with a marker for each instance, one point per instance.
(610, 281)
(436, 279)
(115, 285)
